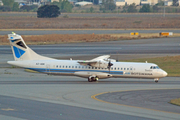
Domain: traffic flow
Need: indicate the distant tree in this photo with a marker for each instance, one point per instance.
(8, 3)
(160, 3)
(5, 8)
(48, 11)
(125, 8)
(175, 3)
(145, 8)
(64, 5)
(28, 8)
(155, 8)
(132, 8)
(108, 5)
(91, 9)
(15, 6)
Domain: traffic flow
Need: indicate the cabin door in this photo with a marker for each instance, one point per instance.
(48, 68)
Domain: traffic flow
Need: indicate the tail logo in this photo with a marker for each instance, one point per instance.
(18, 52)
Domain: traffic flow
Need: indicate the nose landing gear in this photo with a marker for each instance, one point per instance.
(156, 80)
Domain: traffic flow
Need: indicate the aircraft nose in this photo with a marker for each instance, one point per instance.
(165, 74)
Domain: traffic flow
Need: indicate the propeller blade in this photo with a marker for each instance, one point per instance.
(109, 65)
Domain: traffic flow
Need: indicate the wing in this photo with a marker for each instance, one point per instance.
(96, 61)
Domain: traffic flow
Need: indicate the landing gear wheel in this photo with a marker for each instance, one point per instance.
(156, 81)
(89, 80)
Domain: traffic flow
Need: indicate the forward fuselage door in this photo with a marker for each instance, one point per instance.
(48, 68)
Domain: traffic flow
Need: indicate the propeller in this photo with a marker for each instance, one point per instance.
(109, 65)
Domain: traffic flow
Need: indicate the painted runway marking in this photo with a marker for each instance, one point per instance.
(7, 109)
(94, 97)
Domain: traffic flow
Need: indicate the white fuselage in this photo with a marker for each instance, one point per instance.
(72, 67)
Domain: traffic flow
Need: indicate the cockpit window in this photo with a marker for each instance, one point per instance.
(157, 67)
(20, 43)
(154, 67)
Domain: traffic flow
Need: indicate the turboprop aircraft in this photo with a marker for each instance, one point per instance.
(95, 69)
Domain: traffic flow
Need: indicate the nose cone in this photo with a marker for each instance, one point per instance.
(164, 74)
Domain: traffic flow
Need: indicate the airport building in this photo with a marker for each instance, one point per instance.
(137, 2)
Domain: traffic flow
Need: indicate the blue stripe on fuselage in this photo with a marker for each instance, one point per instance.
(73, 70)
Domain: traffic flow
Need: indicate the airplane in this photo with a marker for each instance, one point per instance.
(98, 68)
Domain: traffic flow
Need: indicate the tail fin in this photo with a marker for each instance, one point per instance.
(21, 51)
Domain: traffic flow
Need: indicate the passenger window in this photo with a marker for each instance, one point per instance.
(59, 66)
(66, 66)
(151, 67)
(63, 66)
(114, 68)
(121, 68)
(124, 68)
(79, 66)
(72, 66)
(154, 67)
(69, 66)
(76, 66)
(127, 68)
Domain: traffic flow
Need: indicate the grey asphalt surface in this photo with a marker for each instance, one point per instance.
(145, 98)
(142, 46)
(25, 95)
(44, 32)
(35, 110)
(32, 96)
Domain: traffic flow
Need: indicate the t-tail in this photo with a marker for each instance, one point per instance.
(21, 51)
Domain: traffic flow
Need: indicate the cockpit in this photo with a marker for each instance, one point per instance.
(154, 67)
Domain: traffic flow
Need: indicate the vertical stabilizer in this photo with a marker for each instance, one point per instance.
(21, 51)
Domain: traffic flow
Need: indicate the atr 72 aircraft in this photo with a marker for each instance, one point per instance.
(95, 69)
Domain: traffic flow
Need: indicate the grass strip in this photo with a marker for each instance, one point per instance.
(74, 38)
(175, 101)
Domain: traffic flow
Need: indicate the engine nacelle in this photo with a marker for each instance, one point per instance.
(100, 64)
(100, 75)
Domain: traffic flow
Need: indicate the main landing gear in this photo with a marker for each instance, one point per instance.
(93, 79)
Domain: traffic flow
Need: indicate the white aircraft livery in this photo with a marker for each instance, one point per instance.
(95, 69)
